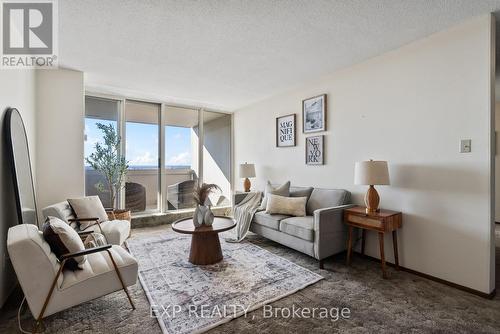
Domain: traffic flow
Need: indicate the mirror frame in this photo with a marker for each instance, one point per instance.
(12, 163)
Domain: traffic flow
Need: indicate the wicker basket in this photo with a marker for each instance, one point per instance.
(119, 215)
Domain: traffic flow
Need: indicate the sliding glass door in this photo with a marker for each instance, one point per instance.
(142, 133)
(181, 157)
(98, 111)
(170, 149)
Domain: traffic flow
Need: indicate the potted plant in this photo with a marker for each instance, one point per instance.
(107, 160)
(203, 215)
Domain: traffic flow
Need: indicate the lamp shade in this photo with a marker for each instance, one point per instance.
(247, 170)
(371, 173)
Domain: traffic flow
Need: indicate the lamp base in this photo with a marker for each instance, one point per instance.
(372, 200)
(247, 184)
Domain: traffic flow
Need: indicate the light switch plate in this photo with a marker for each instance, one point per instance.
(465, 146)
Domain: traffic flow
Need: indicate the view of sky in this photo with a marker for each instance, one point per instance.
(142, 143)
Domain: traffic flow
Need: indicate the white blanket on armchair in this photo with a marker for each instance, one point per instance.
(243, 214)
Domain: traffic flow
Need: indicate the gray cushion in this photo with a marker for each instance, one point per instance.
(271, 221)
(326, 198)
(300, 227)
(301, 192)
(283, 190)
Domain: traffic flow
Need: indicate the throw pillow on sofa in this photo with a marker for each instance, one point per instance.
(283, 190)
(290, 206)
(305, 192)
(88, 207)
(63, 239)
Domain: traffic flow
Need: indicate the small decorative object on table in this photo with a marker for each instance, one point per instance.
(246, 171)
(371, 173)
(203, 215)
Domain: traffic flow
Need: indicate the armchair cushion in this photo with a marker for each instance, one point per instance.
(300, 227)
(86, 207)
(63, 239)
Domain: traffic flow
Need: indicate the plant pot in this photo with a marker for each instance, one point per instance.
(119, 215)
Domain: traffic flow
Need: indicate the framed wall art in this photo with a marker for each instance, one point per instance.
(314, 114)
(285, 131)
(314, 150)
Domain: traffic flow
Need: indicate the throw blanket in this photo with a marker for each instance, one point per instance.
(243, 215)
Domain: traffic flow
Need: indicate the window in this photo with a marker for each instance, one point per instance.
(97, 111)
(167, 157)
(181, 157)
(142, 152)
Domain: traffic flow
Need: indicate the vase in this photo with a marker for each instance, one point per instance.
(199, 215)
(209, 217)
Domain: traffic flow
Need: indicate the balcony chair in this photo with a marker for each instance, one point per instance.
(48, 288)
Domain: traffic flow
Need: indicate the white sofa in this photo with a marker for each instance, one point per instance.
(37, 269)
(115, 231)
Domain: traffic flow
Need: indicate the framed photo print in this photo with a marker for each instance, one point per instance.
(314, 150)
(285, 131)
(314, 114)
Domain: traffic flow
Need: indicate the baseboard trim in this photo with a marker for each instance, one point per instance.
(490, 295)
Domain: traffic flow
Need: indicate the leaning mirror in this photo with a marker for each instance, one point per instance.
(19, 156)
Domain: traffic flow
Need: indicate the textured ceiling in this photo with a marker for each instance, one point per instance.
(228, 54)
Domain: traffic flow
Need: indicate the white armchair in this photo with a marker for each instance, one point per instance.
(49, 288)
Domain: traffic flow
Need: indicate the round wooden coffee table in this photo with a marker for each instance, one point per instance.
(205, 244)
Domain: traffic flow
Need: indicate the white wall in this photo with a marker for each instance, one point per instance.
(410, 106)
(17, 89)
(60, 131)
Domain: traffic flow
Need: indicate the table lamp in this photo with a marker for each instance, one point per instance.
(246, 171)
(371, 173)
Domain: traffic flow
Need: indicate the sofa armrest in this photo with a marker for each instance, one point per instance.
(330, 213)
(328, 227)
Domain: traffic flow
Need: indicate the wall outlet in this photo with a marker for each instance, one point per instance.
(465, 146)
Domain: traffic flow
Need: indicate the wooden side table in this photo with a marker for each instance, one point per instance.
(381, 222)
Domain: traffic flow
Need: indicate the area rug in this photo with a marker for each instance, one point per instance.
(187, 298)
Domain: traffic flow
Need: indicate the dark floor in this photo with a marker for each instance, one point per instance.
(403, 304)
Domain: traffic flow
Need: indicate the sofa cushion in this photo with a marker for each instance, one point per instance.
(326, 198)
(283, 190)
(301, 192)
(300, 227)
(292, 206)
(271, 221)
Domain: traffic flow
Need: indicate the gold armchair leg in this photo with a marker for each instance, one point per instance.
(121, 279)
(38, 321)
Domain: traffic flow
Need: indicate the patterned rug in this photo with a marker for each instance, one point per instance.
(186, 298)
